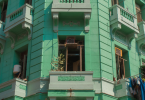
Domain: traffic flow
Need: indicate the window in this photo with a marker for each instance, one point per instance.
(114, 2)
(138, 13)
(73, 49)
(4, 11)
(122, 65)
(20, 62)
(28, 1)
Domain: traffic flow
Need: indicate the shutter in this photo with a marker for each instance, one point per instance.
(138, 12)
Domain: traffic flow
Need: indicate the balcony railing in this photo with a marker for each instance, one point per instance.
(126, 15)
(21, 17)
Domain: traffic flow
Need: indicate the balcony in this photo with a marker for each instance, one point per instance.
(124, 22)
(2, 37)
(68, 84)
(122, 89)
(66, 7)
(14, 87)
(141, 36)
(18, 23)
(61, 80)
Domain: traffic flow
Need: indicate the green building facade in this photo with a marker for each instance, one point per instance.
(33, 34)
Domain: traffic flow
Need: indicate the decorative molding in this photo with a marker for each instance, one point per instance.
(114, 27)
(130, 38)
(23, 87)
(2, 45)
(12, 38)
(71, 23)
(118, 87)
(87, 17)
(55, 22)
(70, 73)
(141, 43)
(71, 78)
(121, 37)
(141, 37)
(21, 36)
(28, 27)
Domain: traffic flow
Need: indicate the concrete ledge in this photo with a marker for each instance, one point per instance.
(14, 87)
(37, 85)
(70, 72)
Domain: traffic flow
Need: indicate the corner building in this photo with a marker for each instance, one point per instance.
(101, 41)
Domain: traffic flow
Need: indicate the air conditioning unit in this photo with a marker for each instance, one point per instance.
(118, 51)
